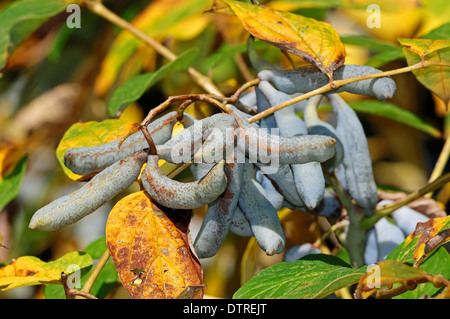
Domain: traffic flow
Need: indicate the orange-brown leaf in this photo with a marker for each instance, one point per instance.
(150, 250)
(315, 41)
(433, 234)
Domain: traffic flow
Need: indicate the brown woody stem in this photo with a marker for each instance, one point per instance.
(380, 212)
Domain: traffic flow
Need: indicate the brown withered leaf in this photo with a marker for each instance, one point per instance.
(433, 234)
(424, 205)
(151, 249)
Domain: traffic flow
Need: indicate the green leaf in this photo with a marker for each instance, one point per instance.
(384, 52)
(97, 247)
(384, 57)
(132, 90)
(405, 251)
(312, 277)
(393, 112)
(21, 18)
(103, 285)
(10, 184)
(368, 43)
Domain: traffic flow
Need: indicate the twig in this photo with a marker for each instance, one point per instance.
(382, 211)
(333, 85)
(440, 163)
(72, 293)
(98, 8)
(149, 139)
(95, 272)
(186, 97)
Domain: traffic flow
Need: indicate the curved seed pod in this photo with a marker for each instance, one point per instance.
(298, 251)
(263, 104)
(242, 115)
(340, 175)
(182, 147)
(249, 99)
(405, 217)
(247, 103)
(283, 180)
(308, 78)
(285, 150)
(199, 170)
(100, 189)
(260, 214)
(217, 221)
(371, 247)
(389, 236)
(179, 195)
(258, 63)
(88, 160)
(274, 197)
(240, 225)
(309, 182)
(315, 125)
(286, 120)
(357, 162)
(308, 177)
(329, 206)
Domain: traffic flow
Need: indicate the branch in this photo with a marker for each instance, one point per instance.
(385, 210)
(356, 237)
(98, 8)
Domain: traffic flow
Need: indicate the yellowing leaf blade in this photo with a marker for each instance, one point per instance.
(30, 270)
(315, 41)
(89, 134)
(424, 46)
(150, 250)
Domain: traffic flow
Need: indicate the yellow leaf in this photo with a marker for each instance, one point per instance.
(382, 19)
(89, 134)
(314, 41)
(30, 270)
(435, 78)
(424, 46)
(150, 250)
(10, 154)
